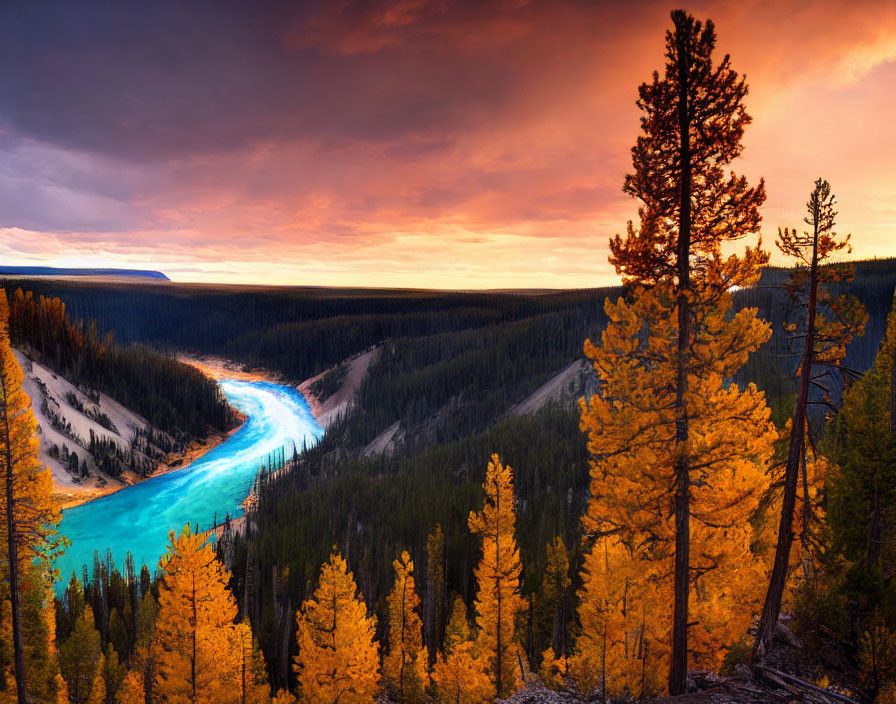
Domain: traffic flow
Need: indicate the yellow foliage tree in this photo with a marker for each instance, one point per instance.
(132, 690)
(253, 677)
(284, 697)
(631, 427)
(613, 649)
(457, 675)
(553, 670)
(338, 659)
(29, 513)
(675, 336)
(405, 665)
(194, 630)
(98, 688)
(498, 601)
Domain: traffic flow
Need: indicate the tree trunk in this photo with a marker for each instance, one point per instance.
(679, 666)
(772, 607)
(807, 513)
(195, 626)
(13, 557)
(243, 662)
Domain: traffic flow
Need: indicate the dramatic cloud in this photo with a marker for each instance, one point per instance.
(405, 142)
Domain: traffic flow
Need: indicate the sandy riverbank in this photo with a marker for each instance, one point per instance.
(220, 368)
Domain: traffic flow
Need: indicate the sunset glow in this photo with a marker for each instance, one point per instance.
(410, 143)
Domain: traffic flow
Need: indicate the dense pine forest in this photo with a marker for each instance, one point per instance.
(448, 375)
(173, 397)
(704, 508)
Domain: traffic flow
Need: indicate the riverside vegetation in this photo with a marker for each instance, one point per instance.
(696, 494)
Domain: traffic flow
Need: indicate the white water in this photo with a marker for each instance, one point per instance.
(139, 518)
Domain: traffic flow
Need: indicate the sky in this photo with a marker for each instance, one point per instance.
(408, 143)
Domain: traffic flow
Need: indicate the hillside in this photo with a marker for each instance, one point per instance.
(174, 397)
(109, 415)
(417, 390)
(92, 444)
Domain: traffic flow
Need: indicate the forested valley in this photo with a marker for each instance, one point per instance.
(703, 501)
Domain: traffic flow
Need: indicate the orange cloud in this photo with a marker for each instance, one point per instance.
(413, 142)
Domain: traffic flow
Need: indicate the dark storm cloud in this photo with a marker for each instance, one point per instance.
(164, 79)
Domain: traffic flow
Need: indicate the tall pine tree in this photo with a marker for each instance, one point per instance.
(679, 280)
(861, 516)
(80, 658)
(830, 322)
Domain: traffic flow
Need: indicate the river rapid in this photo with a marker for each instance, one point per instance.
(139, 518)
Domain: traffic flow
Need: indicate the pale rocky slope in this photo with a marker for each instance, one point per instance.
(66, 416)
(565, 388)
(339, 403)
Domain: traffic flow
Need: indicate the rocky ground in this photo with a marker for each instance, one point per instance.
(809, 670)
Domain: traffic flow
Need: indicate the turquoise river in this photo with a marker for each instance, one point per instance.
(138, 518)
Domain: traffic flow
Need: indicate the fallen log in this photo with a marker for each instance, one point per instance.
(794, 680)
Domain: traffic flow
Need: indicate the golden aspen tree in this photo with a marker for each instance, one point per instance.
(338, 659)
(617, 650)
(253, 677)
(195, 624)
(405, 665)
(553, 669)
(498, 600)
(30, 515)
(284, 697)
(631, 428)
(132, 690)
(458, 676)
(672, 344)
(831, 323)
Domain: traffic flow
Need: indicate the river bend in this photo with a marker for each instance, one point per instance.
(139, 517)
